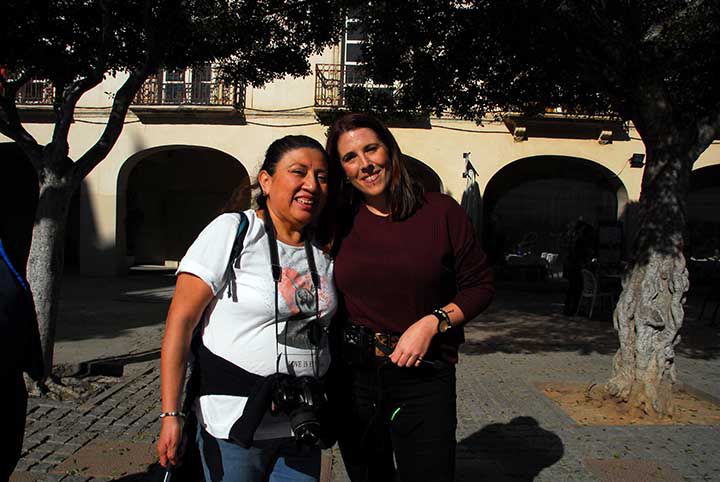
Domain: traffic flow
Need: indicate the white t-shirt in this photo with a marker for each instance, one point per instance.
(244, 332)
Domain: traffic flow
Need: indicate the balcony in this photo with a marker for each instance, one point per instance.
(329, 86)
(34, 101)
(35, 92)
(332, 82)
(203, 101)
(155, 92)
(339, 87)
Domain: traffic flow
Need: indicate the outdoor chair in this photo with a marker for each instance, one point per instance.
(552, 264)
(591, 292)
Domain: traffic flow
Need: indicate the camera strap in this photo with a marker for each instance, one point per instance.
(276, 270)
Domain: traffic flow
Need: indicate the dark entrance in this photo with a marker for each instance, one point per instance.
(172, 194)
(530, 204)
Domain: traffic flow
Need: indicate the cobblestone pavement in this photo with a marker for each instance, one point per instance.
(507, 429)
(125, 413)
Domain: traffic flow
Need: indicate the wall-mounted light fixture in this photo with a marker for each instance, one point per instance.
(637, 160)
(520, 134)
(605, 137)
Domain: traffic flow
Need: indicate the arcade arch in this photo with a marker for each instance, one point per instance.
(167, 195)
(531, 201)
(703, 212)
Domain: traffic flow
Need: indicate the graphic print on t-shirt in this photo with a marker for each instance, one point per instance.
(298, 293)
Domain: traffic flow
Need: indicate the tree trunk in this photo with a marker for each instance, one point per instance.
(650, 313)
(47, 254)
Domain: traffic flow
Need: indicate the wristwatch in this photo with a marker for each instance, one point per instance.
(443, 320)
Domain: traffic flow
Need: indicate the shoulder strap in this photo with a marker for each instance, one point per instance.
(234, 261)
(12, 269)
(192, 387)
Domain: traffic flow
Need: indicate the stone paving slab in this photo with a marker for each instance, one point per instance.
(507, 429)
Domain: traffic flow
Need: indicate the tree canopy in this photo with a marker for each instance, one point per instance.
(76, 44)
(653, 63)
(587, 56)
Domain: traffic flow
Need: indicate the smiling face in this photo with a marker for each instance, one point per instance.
(296, 192)
(366, 162)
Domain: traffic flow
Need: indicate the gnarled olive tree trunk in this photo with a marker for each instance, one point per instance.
(649, 314)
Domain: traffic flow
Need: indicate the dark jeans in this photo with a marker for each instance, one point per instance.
(406, 411)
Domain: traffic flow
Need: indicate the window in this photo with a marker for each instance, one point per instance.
(173, 86)
(187, 86)
(36, 91)
(201, 88)
(352, 52)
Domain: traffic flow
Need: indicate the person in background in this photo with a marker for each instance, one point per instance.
(410, 273)
(582, 248)
(20, 353)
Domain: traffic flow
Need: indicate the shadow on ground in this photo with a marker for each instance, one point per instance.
(515, 451)
(112, 366)
(527, 318)
(109, 307)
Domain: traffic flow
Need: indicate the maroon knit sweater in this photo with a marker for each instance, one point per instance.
(392, 273)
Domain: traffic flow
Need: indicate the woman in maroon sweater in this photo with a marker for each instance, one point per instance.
(410, 272)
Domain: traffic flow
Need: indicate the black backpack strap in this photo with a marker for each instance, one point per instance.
(234, 261)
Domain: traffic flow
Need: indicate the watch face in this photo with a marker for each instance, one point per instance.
(444, 326)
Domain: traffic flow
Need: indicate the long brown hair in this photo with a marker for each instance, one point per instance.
(404, 194)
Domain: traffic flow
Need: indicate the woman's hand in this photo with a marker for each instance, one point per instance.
(168, 445)
(414, 343)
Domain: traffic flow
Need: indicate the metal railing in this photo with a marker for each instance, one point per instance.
(333, 84)
(210, 93)
(39, 92)
(329, 85)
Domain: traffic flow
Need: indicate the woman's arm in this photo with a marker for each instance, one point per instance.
(191, 297)
(414, 343)
(474, 279)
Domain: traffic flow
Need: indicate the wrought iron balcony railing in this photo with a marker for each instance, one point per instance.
(334, 85)
(37, 92)
(207, 93)
(329, 85)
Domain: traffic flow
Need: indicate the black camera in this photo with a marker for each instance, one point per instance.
(301, 398)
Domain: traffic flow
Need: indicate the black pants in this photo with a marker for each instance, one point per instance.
(406, 411)
(574, 290)
(13, 405)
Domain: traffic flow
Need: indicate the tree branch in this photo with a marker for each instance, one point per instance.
(121, 103)
(70, 97)
(708, 129)
(658, 30)
(10, 124)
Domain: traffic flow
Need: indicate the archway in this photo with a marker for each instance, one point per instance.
(530, 203)
(703, 212)
(167, 195)
(423, 173)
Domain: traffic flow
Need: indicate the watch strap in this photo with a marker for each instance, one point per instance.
(443, 320)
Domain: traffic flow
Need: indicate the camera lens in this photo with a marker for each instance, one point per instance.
(305, 425)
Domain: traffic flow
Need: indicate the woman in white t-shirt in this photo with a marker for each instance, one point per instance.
(253, 324)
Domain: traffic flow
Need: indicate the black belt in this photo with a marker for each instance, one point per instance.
(377, 344)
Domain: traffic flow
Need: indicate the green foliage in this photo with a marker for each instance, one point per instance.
(589, 56)
(253, 41)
